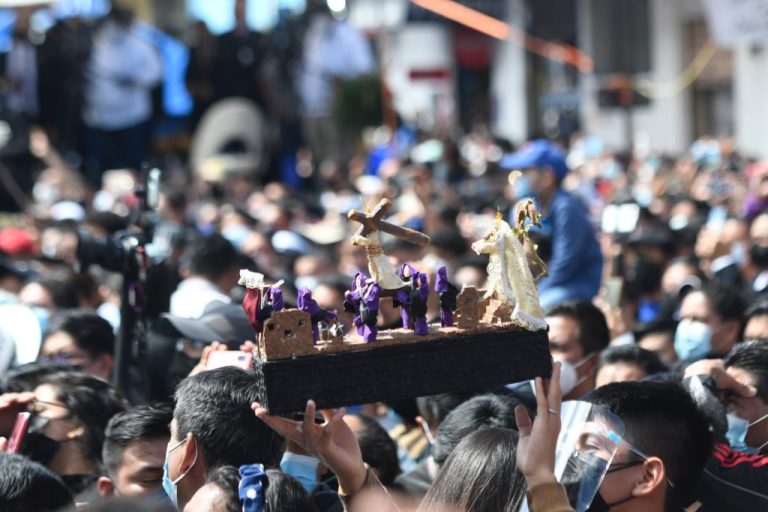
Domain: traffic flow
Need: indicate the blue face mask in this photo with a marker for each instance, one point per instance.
(522, 188)
(737, 434)
(301, 467)
(693, 340)
(236, 234)
(169, 486)
(43, 316)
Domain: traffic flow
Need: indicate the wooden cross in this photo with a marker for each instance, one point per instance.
(373, 222)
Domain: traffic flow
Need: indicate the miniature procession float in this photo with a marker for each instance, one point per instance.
(484, 338)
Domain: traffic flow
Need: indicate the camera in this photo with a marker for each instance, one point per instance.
(121, 252)
(115, 254)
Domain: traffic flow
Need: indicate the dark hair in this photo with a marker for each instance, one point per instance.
(479, 412)
(141, 423)
(211, 256)
(726, 300)
(27, 485)
(281, 494)
(92, 401)
(285, 494)
(593, 334)
(216, 407)
(435, 408)
(662, 420)
(62, 291)
(89, 331)
(481, 475)
(632, 354)
(756, 309)
(128, 504)
(175, 197)
(27, 377)
(227, 479)
(378, 449)
(449, 239)
(752, 357)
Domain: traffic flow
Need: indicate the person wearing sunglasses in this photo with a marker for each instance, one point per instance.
(81, 340)
(70, 412)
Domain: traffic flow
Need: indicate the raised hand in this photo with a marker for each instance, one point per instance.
(538, 439)
(333, 442)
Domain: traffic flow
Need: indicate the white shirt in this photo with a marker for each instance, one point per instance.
(332, 49)
(120, 55)
(193, 295)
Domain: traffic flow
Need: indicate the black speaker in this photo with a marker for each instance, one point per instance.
(621, 36)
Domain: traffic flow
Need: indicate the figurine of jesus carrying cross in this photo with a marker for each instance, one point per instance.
(367, 236)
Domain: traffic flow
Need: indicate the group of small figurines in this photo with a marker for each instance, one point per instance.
(510, 296)
(364, 296)
(362, 299)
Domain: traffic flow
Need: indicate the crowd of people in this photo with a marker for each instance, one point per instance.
(655, 300)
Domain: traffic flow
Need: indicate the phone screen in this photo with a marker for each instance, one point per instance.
(221, 358)
(613, 288)
(18, 433)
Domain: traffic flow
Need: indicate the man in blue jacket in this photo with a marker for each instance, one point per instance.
(576, 263)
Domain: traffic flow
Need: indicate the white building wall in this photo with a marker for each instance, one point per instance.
(751, 100)
(422, 46)
(667, 122)
(508, 82)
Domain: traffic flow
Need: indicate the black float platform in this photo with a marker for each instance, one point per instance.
(465, 361)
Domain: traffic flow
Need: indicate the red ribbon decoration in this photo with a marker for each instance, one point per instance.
(251, 304)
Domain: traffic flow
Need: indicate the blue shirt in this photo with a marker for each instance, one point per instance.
(576, 265)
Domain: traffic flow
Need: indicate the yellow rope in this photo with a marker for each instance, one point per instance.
(669, 88)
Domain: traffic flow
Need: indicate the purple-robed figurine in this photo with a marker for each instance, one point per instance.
(363, 300)
(309, 305)
(413, 301)
(448, 294)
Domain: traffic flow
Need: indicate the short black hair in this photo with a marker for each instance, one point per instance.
(63, 291)
(482, 411)
(757, 308)
(27, 486)
(90, 332)
(141, 423)
(593, 335)
(282, 493)
(752, 357)
(435, 408)
(378, 448)
(92, 402)
(726, 300)
(645, 359)
(227, 479)
(211, 256)
(216, 407)
(662, 420)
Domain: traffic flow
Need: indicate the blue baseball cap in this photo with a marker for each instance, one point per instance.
(538, 153)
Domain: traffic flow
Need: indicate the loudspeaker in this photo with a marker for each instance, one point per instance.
(620, 36)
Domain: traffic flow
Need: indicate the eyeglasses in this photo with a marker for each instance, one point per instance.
(72, 359)
(34, 408)
(619, 466)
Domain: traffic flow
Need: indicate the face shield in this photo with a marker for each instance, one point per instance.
(589, 438)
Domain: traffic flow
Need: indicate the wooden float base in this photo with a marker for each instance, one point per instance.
(450, 362)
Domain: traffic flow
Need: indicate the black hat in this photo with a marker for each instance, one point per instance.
(219, 322)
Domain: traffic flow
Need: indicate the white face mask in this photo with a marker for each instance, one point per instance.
(569, 376)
